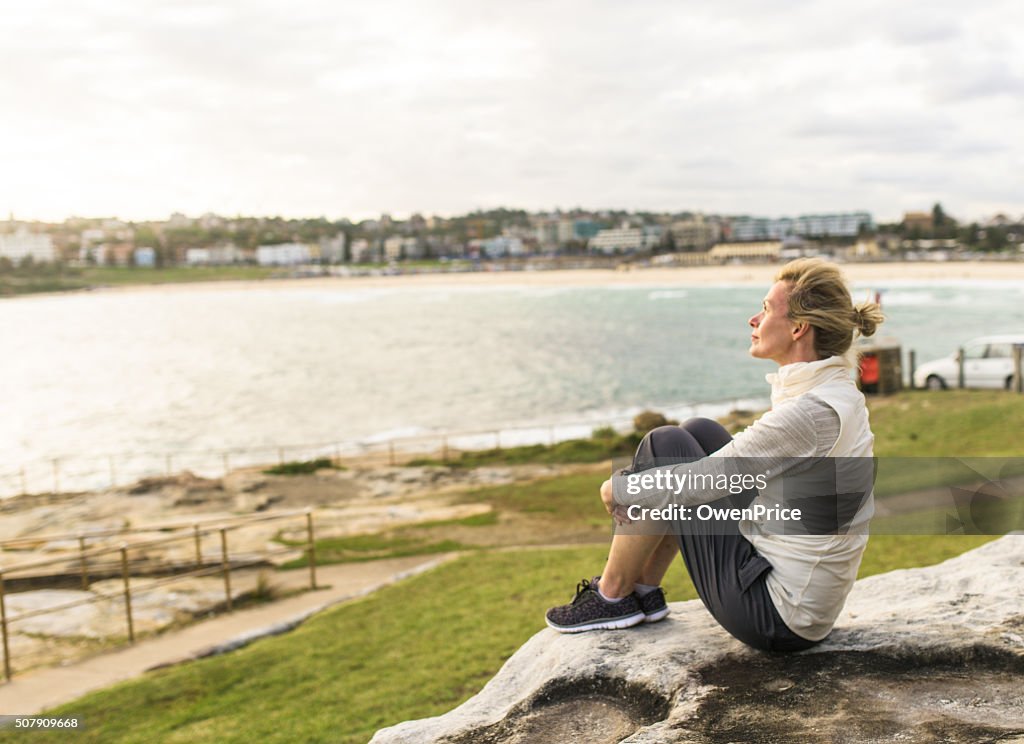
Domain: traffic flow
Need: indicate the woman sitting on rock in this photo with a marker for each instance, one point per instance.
(774, 588)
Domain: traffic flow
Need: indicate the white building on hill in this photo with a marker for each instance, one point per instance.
(22, 244)
(283, 254)
(625, 239)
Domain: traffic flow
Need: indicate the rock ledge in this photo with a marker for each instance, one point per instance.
(932, 654)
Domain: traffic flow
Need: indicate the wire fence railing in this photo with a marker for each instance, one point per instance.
(130, 560)
(76, 473)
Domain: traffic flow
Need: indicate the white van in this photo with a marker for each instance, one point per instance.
(988, 363)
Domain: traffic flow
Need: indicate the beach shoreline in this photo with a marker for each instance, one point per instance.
(685, 276)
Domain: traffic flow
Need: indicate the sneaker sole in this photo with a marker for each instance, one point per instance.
(614, 624)
(656, 616)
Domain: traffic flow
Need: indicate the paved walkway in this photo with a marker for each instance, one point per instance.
(39, 690)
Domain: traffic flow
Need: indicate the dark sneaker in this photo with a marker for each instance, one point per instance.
(653, 605)
(588, 611)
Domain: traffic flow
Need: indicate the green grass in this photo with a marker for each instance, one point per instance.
(563, 499)
(889, 552)
(399, 543)
(949, 423)
(303, 467)
(117, 275)
(71, 278)
(570, 501)
(594, 449)
(360, 548)
(414, 649)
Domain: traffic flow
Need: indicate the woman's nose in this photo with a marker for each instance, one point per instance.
(755, 320)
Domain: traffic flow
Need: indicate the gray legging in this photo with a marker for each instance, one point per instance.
(727, 571)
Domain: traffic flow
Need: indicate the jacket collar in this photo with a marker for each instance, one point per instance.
(793, 380)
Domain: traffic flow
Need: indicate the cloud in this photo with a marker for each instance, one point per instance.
(141, 108)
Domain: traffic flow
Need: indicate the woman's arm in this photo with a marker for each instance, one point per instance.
(777, 443)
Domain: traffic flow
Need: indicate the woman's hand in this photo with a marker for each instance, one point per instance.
(617, 511)
(606, 496)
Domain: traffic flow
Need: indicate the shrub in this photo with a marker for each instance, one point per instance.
(645, 421)
(302, 467)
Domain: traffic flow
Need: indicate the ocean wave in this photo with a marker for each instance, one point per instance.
(667, 294)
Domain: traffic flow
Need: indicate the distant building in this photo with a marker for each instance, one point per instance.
(283, 254)
(413, 248)
(585, 229)
(397, 248)
(625, 239)
(929, 244)
(197, 257)
(548, 233)
(219, 255)
(839, 225)
(94, 254)
(120, 252)
(22, 244)
(770, 250)
(695, 234)
(566, 231)
(501, 246)
(920, 221)
(867, 248)
(576, 230)
(332, 250)
(144, 257)
(92, 236)
(226, 253)
(393, 248)
(362, 251)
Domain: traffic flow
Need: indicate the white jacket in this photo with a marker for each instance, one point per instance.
(813, 574)
(812, 571)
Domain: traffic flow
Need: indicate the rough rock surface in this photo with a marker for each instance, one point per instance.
(347, 502)
(922, 655)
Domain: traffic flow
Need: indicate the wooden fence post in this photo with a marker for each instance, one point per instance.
(3, 624)
(127, 592)
(84, 563)
(226, 564)
(311, 548)
(1018, 383)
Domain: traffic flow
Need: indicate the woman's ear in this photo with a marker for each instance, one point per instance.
(800, 329)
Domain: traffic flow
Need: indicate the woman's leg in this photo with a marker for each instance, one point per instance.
(637, 559)
(641, 558)
(644, 559)
(727, 571)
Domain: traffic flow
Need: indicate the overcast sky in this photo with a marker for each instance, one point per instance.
(137, 108)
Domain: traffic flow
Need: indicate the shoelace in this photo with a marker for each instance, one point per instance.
(581, 589)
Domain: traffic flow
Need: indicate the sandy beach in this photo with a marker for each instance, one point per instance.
(746, 274)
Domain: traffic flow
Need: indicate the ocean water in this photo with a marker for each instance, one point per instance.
(149, 374)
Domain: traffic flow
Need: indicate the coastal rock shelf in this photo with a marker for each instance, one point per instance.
(922, 655)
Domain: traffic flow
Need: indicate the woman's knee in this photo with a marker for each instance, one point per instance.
(709, 434)
(665, 445)
(672, 441)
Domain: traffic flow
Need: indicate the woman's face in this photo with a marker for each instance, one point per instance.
(772, 336)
